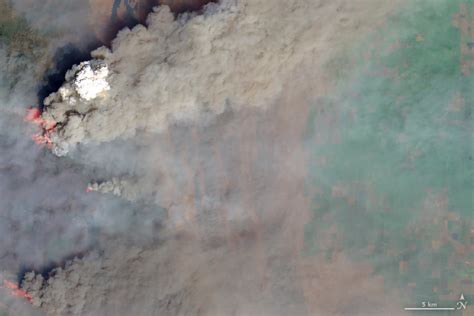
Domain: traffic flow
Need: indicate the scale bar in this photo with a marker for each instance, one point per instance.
(429, 308)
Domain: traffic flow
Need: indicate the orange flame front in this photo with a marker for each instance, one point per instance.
(15, 291)
(44, 138)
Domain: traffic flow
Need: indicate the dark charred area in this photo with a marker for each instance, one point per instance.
(137, 13)
(181, 6)
(50, 269)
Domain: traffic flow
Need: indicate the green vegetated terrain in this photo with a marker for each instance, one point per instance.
(24, 50)
(16, 33)
(392, 154)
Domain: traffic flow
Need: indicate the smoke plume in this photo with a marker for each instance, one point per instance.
(182, 163)
(203, 126)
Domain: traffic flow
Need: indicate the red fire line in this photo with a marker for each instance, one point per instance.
(15, 290)
(44, 138)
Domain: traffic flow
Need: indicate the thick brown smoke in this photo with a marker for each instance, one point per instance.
(201, 121)
(189, 134)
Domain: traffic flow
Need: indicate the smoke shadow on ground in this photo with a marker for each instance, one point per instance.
(181, 6)
(137, 15)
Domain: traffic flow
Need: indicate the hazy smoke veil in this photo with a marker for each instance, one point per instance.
(39, 192)
(44, 217)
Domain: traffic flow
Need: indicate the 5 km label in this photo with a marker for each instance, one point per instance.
(461, 304)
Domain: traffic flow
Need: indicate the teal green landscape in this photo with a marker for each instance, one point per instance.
(16, 34)
(395, 173)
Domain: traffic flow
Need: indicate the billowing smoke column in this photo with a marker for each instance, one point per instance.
(186, 70)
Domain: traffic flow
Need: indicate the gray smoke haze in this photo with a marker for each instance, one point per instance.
(208, 143)
(43, 213)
